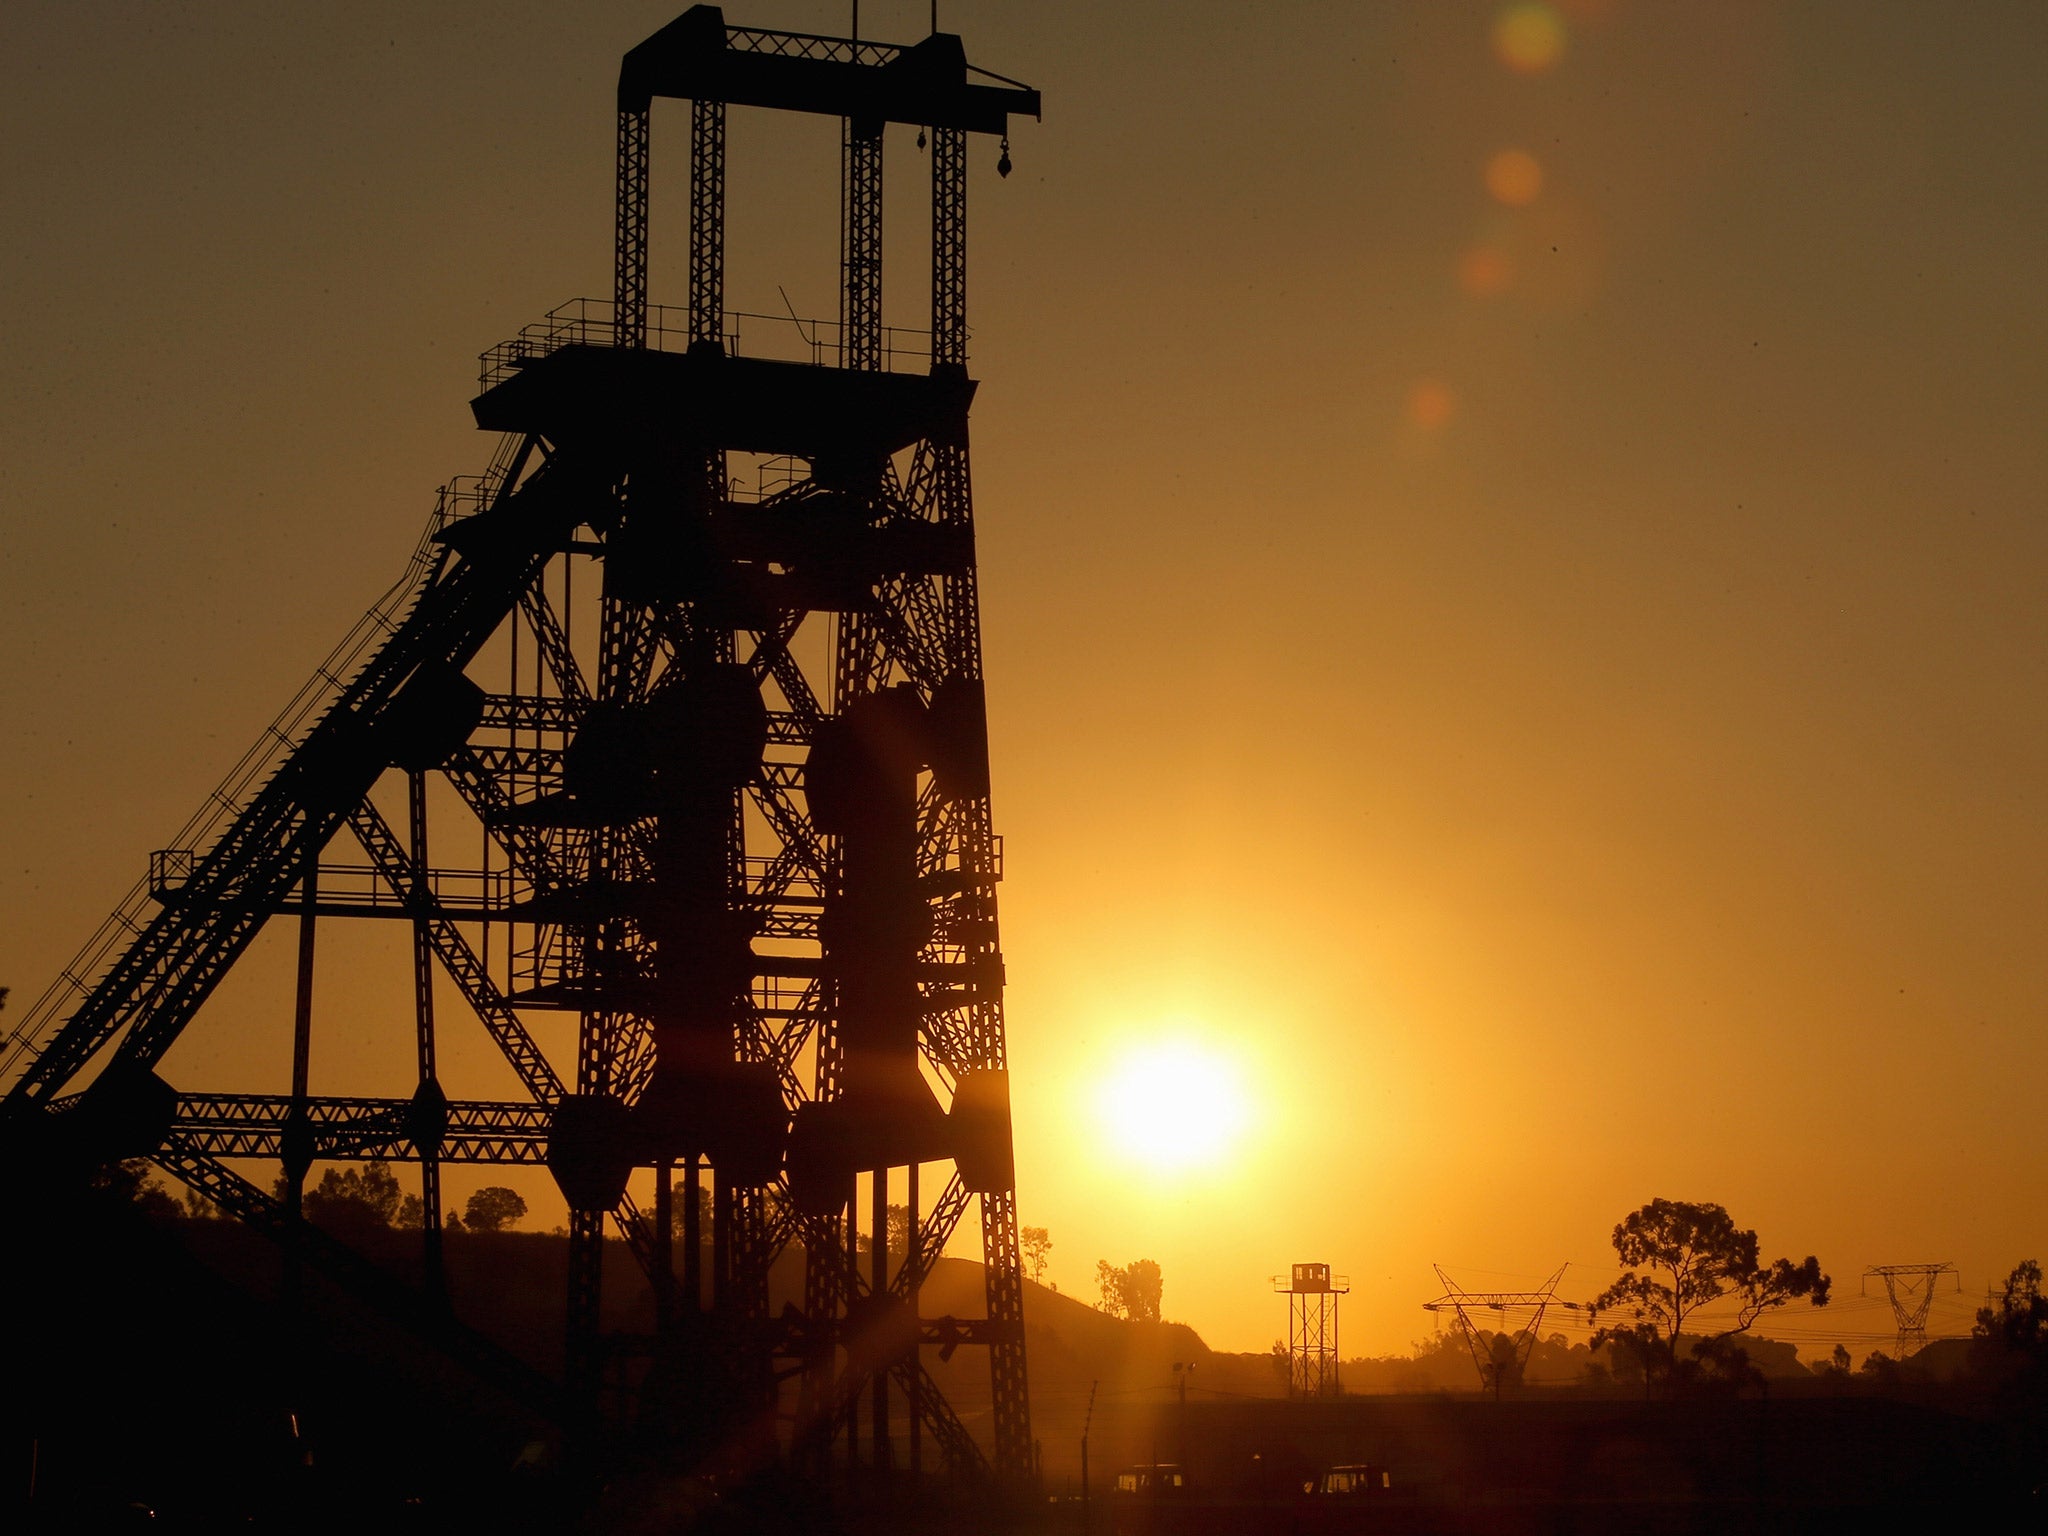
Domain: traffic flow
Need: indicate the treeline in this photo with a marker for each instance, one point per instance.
(2006, 1354)
(354, 1200)
(345, 1202)
(1445, 1362)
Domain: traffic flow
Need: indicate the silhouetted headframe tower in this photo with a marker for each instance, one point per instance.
(701, 655)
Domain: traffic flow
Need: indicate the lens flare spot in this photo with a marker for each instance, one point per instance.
(1529, 39)
(1485, 270)
(1431, 405)
(1515, 177)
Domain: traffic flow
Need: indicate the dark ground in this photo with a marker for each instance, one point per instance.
(151, 1366)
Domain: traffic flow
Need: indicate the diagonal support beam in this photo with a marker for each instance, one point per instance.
(460, 961)
(555, 650)
(935, 1230)
(963, 1456)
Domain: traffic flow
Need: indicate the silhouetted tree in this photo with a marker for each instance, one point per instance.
(1682, 1256)
(864, 1242)
(2019, 1322)
(1281, 1358)
(2009, 1343)
(1036, 1243)
(493, 1208)
(1619, 1361)
(133, 1183)
(351, 1201)
(1719, 1366)
(1503, 1371)
(1132, 1292)
(679, 1194)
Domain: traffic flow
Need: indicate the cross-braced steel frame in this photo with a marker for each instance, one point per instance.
(1910, 1288)
(724, 752)
(1313, 1296)
(1498, 1367)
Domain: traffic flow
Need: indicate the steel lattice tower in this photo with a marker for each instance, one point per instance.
(1497, 1370)
(1313, 1363)
(699, 656)
(1910, 1289)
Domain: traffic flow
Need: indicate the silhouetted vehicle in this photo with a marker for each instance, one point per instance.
(1357, 1481)
(1355, 1497)
(1148, 1501)
(1351, 1499)
(1161, 1480)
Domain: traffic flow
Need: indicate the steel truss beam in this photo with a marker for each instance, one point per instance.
(253, 1125)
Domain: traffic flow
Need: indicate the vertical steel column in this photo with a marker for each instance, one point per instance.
(1008, 1384)
(664, 1275)
(1002, 1261)
(586, 1291)
(629, 241)
(913, 1389)
(824, 1281)
(298, 1133)
(426, 1135)
(860, 245)
(821, 1300)
(878, 1271)
(852, 1300)
(949, 247)
(707, 224)
(298, 1148)
(599, 1027)
(707, 333)
(721, 1239)
(950, 481)
(693, 1237)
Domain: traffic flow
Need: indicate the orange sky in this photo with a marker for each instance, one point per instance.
(1510, 593)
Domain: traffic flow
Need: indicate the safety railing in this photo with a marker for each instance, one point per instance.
(743, 333)
(359, 887)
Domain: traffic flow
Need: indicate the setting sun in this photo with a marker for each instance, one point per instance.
(1173, 1104)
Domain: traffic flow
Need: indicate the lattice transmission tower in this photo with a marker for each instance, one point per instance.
(1501, 1361)
(696, 666)
(1910, 1288)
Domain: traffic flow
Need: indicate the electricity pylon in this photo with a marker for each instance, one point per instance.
(1499, 1366)
(1910, 1288)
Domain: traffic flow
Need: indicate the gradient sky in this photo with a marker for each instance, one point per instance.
(1511, 594)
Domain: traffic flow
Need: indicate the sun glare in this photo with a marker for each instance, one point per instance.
(1173, 1105)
